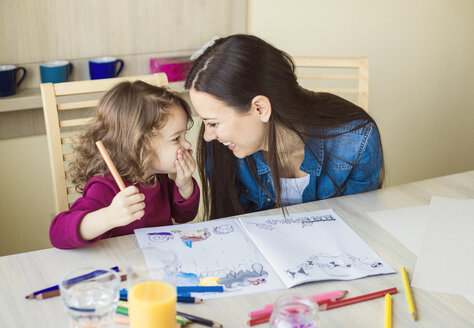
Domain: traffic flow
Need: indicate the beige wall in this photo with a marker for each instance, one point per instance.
(421, 56)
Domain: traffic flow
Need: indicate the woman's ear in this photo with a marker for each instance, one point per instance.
(262, 107)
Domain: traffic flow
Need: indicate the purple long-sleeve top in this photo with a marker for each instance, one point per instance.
(162, 203)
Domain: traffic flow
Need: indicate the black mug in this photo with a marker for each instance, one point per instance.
(8, 79)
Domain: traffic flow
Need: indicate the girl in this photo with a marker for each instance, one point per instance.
(143, 128)
(267, 141)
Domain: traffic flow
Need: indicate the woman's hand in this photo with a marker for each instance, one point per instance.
(127, 206)
(185, 166)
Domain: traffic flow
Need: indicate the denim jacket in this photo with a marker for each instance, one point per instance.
(353, 160)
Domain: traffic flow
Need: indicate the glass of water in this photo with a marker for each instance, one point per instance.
(91, 296)
(294, 311)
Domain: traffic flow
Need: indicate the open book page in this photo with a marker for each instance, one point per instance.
(218, 249)
(313, 246)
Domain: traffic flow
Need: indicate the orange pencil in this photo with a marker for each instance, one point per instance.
(110, 165)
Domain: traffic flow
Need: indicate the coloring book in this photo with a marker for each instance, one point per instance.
(254, 254)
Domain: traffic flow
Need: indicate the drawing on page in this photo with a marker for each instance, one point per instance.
(190, 236)
(159, 237)
(334, 266)
(223, 229)
(305, 221)
(253, 276)
(187, 278)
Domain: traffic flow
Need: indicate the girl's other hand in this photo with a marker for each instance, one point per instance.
(127, 206)
(185, 166)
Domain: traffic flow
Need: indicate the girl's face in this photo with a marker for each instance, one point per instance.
(168, 140)
(244, 134)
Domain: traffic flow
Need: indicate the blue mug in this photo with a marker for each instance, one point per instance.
(8, 79)
(105, 67)
(56, 71)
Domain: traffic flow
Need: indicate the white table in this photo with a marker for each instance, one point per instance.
(24, 273)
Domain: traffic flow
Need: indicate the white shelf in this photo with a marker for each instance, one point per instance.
(31, 98)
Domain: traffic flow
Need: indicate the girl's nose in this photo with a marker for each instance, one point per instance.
(186, 144)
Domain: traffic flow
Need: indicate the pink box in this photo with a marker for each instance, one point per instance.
(176, 68)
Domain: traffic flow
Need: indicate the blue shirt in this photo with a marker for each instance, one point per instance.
(353, 160)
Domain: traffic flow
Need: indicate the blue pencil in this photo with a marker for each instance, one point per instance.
(187, 299)
(200, 289)
(39, 294)
(180, 298)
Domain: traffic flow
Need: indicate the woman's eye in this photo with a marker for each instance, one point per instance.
(176, 139)
(212, 125)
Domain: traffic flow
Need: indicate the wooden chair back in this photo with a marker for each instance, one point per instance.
(68, 108)
(345, 77)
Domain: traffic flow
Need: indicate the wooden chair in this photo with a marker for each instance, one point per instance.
(68, 108)
(346, 77)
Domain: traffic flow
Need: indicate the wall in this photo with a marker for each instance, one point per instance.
(77, 31)
(133, 30)
(421, 57)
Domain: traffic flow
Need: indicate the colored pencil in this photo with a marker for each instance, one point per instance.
(388, 311)
(121, 310)
(200, 289)
(358, 299)
(259, 320)
(318, 298)
(180, 299)
(202, 321)
(110, 164)
(409, 295)
(54, 290)
(189, 299)
(332, 304)
(182, 320)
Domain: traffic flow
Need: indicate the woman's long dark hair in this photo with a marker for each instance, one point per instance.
(235, 70)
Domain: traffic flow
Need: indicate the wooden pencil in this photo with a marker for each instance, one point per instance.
(202, 321)
(388, 311)
(408, 294)
(362, 298)
(54, 291)
(110, 164)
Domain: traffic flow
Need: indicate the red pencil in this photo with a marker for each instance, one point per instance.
(333, 304)
(259, 320)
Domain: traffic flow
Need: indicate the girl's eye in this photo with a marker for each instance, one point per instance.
(212, 125)
(176, 139)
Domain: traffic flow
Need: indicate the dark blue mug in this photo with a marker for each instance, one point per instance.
(56, 71)
(8, 79)
(105, 67)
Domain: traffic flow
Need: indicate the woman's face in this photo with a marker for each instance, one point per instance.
(243, 133)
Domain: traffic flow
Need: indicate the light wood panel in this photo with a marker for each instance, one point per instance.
(134, 31)
(68, 29)
(19, 274)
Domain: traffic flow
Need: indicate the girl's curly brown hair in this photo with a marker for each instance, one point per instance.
(126, 118)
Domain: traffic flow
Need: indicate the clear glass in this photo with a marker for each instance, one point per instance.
(151, 279)
(91, 296)
(294, 311)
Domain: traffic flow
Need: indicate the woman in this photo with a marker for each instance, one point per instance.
(267, 141)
